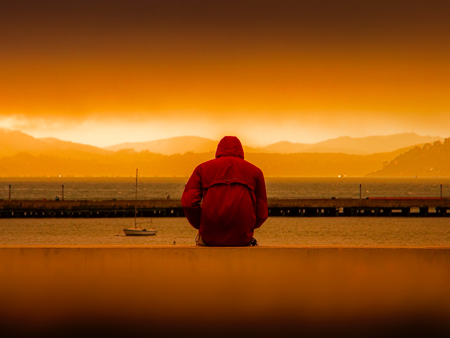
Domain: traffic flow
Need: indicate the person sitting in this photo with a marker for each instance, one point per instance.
(225, 198)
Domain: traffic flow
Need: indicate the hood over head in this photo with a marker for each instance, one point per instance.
(230, 146)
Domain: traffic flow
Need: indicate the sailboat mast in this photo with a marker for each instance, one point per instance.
(135, 200)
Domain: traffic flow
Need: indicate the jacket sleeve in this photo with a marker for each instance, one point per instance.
(262, 211)
(190, 201)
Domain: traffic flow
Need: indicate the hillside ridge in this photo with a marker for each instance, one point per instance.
(431, 160)
(344, 144)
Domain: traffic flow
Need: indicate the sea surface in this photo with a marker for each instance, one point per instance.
(275, 231)
(383, 231)
(157, 188)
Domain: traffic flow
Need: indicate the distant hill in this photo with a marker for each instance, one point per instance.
(430, 160)
(346, 145)
(13, 142)
(285, 147)
(350, 145)
(67, 145)
(170, 146)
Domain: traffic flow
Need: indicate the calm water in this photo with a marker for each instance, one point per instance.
(154, 188)
(276, 231)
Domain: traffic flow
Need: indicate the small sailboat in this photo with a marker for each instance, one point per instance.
(137, 231)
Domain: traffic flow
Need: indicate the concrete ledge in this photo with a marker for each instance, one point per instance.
(57, 291)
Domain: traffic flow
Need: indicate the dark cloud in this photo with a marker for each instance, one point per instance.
(62, 24)
(82, 57)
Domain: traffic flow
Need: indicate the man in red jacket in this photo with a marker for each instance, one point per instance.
(233, 197)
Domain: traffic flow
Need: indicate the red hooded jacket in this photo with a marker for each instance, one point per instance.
(232, 193)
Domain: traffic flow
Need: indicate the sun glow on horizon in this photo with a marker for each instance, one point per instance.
(254, 133)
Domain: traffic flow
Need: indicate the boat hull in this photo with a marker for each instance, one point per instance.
(139, 232)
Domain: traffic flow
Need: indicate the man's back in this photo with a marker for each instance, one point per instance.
(234, 197)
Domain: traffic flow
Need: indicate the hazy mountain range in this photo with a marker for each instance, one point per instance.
(345, 144)
(24, 155)
(124, 163)
(351, 145)
(14, 142)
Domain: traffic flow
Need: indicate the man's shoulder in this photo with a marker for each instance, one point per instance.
(250, 168)
(205, 164)
(250, 165)
(220, 161)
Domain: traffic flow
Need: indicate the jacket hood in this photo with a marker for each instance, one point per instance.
(230, 146)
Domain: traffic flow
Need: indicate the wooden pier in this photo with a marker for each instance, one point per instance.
(345, 207)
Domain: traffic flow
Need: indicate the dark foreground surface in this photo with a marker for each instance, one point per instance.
(138, 291)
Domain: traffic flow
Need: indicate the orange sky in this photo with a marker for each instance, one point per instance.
(104, 72)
